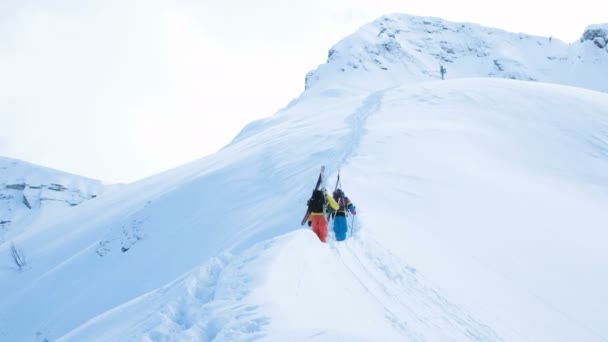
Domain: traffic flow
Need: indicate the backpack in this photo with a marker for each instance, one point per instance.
(317, 201)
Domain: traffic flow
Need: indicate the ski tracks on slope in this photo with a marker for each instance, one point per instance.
(415, 309)
(208, 304)
(212, 306)
(356, 123)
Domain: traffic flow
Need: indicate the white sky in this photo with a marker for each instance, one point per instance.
(122, 89)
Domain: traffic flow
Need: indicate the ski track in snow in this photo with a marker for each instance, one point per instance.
(394, 281)
(399, 289)
(356, 123)
(211, 307)
(214, 306)
(208, 304)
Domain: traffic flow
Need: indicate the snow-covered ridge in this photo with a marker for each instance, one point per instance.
(29, 192)
(401, 48)
(481, 216)
(215, 302)
(487, 187)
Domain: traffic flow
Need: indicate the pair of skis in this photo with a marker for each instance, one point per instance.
(319, 182)
(329, 214)
(352, 221)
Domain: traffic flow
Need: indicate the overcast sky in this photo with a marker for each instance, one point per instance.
(121, 89)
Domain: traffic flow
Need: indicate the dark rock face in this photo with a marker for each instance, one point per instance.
(600, 42)
(15, 186)
(598, 35)
(591, 34)
(26, 203)
(57, 187)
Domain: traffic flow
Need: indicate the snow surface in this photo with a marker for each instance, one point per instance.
(29, 193)
(481, 216)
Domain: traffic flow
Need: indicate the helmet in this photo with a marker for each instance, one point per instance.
(338, 193)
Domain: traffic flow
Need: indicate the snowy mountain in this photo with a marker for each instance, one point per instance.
(29, 193)
(481, 215)
(401, 48)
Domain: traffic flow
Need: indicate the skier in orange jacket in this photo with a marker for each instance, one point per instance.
(317, 204)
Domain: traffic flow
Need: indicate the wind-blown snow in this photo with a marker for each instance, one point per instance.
(481, 216)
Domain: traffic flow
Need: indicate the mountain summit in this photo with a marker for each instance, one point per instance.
(400, 48)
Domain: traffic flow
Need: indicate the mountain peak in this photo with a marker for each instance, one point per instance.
(400, 48)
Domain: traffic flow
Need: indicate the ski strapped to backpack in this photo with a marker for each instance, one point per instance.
(330, 211)
(319, 182)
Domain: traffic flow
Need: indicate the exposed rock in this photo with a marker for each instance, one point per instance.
(598, 34)
(592, 33)
(15, 186)
(310, 79)
(27, 203)
(57, 187)
(600, 42)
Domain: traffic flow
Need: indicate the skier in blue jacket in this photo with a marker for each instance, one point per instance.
(344, 207)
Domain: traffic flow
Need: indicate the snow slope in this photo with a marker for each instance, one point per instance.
(498, 205)
(481, 209)
(291, 287)
(29, 193)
